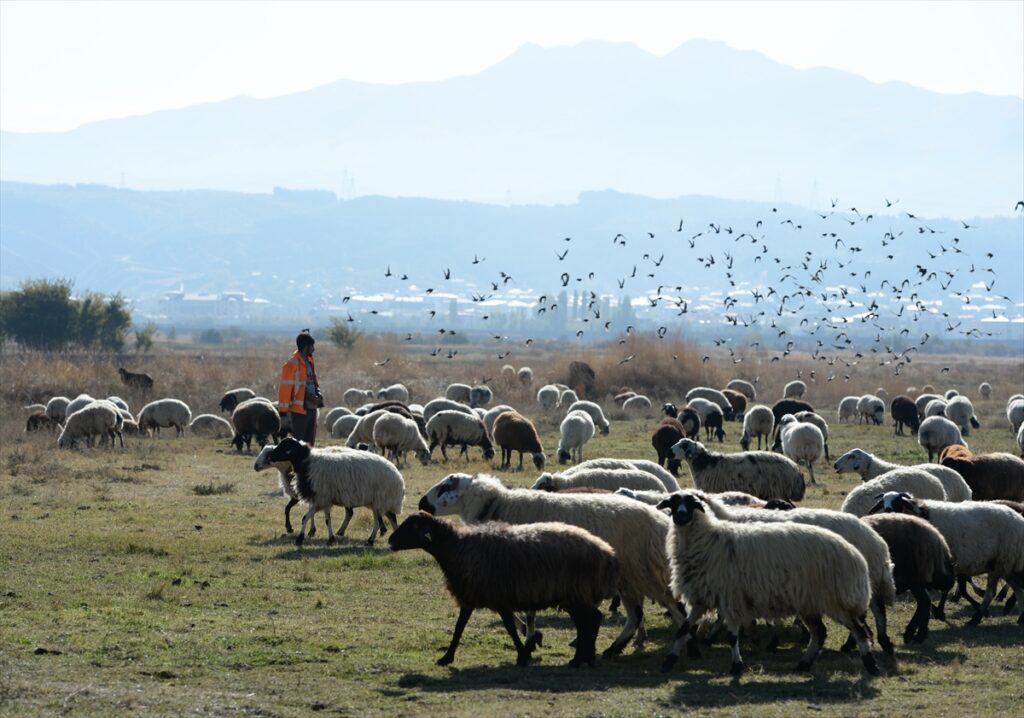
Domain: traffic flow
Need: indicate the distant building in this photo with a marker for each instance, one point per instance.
(225, 307)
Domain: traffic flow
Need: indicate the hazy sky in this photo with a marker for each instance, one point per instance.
(66, 63)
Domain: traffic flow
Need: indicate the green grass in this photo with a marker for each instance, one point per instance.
(122, 591)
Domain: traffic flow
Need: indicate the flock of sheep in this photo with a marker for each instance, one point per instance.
(720, 555)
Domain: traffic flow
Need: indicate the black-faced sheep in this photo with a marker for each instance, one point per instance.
(760, 473)
(518, 568)
(734, 568)
(234, 397)
(636, 532)
(514, 432)
(331, 478)
(455, 428)
(990, 476)
(983, 538)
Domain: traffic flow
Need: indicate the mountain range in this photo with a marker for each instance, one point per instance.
(544, 125)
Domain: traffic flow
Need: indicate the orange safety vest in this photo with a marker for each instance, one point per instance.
(291, 391)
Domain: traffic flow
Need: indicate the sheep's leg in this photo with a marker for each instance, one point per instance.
(810, 470)
(817, 630)
(373, 533)
(520, 460)
(860, 630)
(827, 457)
(381, 526)
(981, 610)
(939, 611)
(685, 634)
(119, 436)
(288, 514)
(917, 629)
(393, 519)
(344, 524)
(881, 625)
(460, 626)
(613, 607)
(588, 622)
(306, 518)
(522, 652)
(734, 648)
(634, 617)
(330, 531)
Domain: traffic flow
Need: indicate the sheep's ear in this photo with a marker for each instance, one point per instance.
(664, 504)
(876, 508)
(427, 536)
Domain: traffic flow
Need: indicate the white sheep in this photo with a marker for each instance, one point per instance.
(491, 414)
(1020, 439)
(1015, 413)
(638, 404)
(983, 537)
(936, 433)
(164, 413)
(119, 403)
(743, 387)
(935, 407)
(79, 402)
(609, 479)
(362, 433)
(985, 390)
(651, 467)
(435, 405)
(323, 479)
(636, 532)
(734, 568)
(234, 397)
(396, 435)
(343, 426)
(525, 376)
(869, 467)
(794, 390)
(455, 428)
(548, 396)
(480, 396)
(355, 397)
(98, 418)
(595, 413)
(211, 425)
(847, 411)
(960, 411)
(458, 392)
(758, 421)
(576, 429)
(713, 395)
(761, 473)
(951, 393)
(871, 408)
(57, 408)
(334, 414)
(809, 417)
(728, 498)
(395, 392)
(861, 499)
(921, 402)
(567, 397)
(803, 443)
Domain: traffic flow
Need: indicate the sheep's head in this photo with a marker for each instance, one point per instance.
(539, 459)
(417, 531)
(290, 451)
(488, 452)
(423, 455)
(899, 502)
(546, 482)
(745, 441)
(564, 456)
(682, 505)
(670, 410)
(444, 496)
(852, 460)
(623, 491)
(779, 505)
(687, 449)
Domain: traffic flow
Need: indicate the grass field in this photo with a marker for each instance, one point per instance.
(156, 580)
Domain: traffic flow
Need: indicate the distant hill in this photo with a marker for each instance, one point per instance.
(304, 250)
(546, 124)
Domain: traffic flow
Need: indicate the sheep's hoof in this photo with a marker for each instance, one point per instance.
(369, 542)
(445, 660)
(523, 660)
(802, 667)
(886, 644)
(975, 620)
(330, 540)
(612, 651)
(938, 614)
(921, 635)
(299, 539)
(289, 530)
(870, 665)
(737, 668)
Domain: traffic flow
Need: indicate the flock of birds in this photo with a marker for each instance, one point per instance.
(813, 305)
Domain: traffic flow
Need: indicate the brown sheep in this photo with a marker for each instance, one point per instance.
(514, 432)
(990, 476)
(666, 435)
(738, 402)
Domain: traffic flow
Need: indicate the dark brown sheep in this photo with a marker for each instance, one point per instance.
(135, 380)
(789, 406)
(582, 380)
(904, 412)
(39, 420)
(514, 432)
(990, 476)
(921, 561)
(518, 568)
(687, 417)
(738, 402)
(665, 436)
